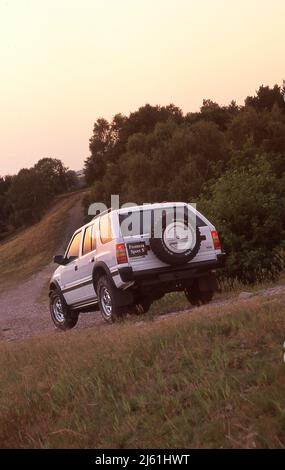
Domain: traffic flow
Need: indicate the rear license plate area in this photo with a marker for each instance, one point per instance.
(137, 249)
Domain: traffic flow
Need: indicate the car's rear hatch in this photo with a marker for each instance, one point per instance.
(136, 228)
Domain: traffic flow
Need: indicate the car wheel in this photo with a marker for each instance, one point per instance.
(110, 309)
(61, 315)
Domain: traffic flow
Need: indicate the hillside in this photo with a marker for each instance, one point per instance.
(31, 249)
(213, 378)
(204, 377)
(26, 267)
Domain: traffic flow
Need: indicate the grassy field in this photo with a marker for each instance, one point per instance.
(30, 250)
(213, 378)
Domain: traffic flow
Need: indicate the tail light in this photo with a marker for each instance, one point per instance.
(121, 253)
(216, 240)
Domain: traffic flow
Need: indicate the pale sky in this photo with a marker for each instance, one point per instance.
(64, 63)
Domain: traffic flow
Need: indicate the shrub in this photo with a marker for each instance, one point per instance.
(247, 206)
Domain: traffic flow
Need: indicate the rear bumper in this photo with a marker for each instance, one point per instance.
(171, 273)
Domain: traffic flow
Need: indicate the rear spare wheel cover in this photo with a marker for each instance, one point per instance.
(178, 237)
(178, 243)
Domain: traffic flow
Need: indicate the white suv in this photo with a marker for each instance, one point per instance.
(125, 259)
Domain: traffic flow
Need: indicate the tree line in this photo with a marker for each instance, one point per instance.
(24, 197)
(228, 159)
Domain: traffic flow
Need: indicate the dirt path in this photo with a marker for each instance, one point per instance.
(23, 314)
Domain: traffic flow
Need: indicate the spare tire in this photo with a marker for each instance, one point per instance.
(179, 240)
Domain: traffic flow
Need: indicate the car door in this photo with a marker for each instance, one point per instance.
(86, 262)
(70, 280)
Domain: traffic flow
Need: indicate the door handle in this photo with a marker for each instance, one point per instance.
(92, 260)
(76, 268)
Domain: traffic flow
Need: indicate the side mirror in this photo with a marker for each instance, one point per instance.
(59, 259)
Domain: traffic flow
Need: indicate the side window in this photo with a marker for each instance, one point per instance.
(106, 234)
(73, 251)
(89, 240)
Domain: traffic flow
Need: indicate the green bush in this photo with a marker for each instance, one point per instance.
(247, 206)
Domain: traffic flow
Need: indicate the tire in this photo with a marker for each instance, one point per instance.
(63, 318)
(198, 297)
(110, 309)
(163, 247)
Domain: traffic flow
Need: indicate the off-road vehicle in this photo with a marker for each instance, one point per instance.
(125, 259)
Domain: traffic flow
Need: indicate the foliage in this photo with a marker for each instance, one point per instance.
(266, 98)
(157, 154)
(166, 156)
(248, 206)
(24, 197)
(109, 140)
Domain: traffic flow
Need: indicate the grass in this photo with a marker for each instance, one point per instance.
(237, 287)
(177, 300)
(30, 250)
(214, 378)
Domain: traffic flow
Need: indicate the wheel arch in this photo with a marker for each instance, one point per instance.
(53, 286)
(100, 269)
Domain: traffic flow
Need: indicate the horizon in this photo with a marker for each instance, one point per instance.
(62, 68)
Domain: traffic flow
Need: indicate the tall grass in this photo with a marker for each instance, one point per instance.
(183, 381)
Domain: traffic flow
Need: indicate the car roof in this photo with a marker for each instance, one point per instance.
(135, 208)
(155, 205)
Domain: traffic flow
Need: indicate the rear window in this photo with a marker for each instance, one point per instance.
(141, 222)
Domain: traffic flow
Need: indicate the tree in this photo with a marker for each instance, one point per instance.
(247, 126)
(262, 131)
(146, 118)
(266, 98)
(32, 189)
(173, 161)
(109, 140)
(53, 174)
(26, 196)
(99, 145)
(213, 112)
(5, 206)
(247, 205)
(5, 183)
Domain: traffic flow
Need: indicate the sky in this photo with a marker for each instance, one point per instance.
(65, 63)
